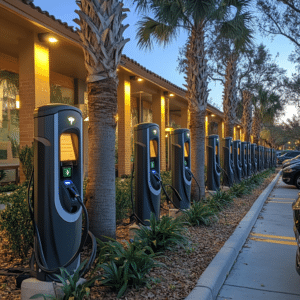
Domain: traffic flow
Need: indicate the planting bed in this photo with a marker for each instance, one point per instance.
(184, 266)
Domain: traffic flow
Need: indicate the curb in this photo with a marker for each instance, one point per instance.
(212, 279)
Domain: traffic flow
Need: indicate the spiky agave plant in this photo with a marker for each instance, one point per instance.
(101, 34)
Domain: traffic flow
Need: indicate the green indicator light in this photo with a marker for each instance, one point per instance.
(154, 131)
(185, 163)
(67, 172)
(152, 165)
(71, 120)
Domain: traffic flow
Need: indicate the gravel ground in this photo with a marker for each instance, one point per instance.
(184, 267)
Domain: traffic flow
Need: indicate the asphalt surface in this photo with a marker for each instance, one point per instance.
(265, 266)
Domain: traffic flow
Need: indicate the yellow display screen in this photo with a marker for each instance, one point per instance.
(186, 149)
(68, 147)
(217, 150)
(153, 148)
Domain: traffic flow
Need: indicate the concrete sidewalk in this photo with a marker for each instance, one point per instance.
(265, 267)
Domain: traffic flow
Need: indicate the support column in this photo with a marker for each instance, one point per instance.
(159, 117)
(34, 85)
(124, 126)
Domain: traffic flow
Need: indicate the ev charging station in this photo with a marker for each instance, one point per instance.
(249, 167)
(213, 163)
(262, 161)
(58, 181)
(244, 159)
(254, 158)
(228, 162)
(181, 166)
(258, 157)
(147, 171)
(236, 159)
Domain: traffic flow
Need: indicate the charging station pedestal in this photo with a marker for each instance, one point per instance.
(244, 159)
(258, 157)
(237, 162)
(147, 168)
(213, 163)
(263, 157)
(249, 167)
(180, 165)
(57, 168)
(228, 162)
(57, 176)
(253, 158)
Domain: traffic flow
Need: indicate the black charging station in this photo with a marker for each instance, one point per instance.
(249, 166)
(181, 166)
(58, 179)
(244, 159)
(213, 163)
(253, 158)
(237, 161)
(147, 171)
(262, 158)
(228, 162)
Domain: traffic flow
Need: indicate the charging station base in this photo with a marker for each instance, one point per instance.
(209, 193)
(132, 230)
(225, 188)
(33, 286)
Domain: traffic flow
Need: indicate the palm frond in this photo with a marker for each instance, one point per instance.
(150, 30)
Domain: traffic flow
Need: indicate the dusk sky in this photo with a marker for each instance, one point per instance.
(163, 61)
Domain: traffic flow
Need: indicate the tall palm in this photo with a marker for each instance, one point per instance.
(266, 107)
(247, 115)
(193, 16)
(101, 34)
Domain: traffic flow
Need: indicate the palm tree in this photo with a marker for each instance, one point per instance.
(194, 16)
(101, 34)
(266, 107)
(247, 115)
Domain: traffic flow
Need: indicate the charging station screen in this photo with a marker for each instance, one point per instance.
(217, 150)
(153, 148)
(68, 147)
(186, 149)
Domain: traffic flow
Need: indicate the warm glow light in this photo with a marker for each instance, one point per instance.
(223, 130)
(17, 101)
(86, 119)
(212, 115)
(166, 135)
(238, 126)
(234, 133)
(206, 126)
(171, 95)
(169, 129)
(52, 40)
(139, 79)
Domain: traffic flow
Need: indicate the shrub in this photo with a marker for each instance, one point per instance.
(198, 214)
(3, 174)
(124, 266)
(26, 159)
(164, 234)
(9, 188)
(16, 222)
(219, 200)
(123, 196)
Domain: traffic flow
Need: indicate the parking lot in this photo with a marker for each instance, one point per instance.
(265, 267)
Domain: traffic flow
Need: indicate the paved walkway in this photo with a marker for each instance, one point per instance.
(265, 267)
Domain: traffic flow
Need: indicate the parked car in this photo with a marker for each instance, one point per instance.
(290, 161)
(287, 155)
(291, 175)
(296, 215)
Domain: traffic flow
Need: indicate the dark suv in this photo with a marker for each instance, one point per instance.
(287, 155)
(291, 175)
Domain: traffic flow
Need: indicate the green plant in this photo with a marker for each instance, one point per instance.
(219, 200)
(15, 146)
(123, 196)
(198, 214)
(9, 188)
(126, 265)
(163, 234)
(166, 178)
(16, 222)
(26, 159)
(70, 288)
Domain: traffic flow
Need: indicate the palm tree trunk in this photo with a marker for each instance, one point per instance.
(197, 94)
(100, 195)
(230, 95)
(256, 127)
(247, 115)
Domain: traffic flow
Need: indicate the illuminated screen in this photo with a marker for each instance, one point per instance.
(68, 147)
(153, 148)
(238, 151)
(216, 150)
(186, 149)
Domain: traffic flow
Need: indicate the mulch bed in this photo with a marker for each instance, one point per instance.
(184, 267)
